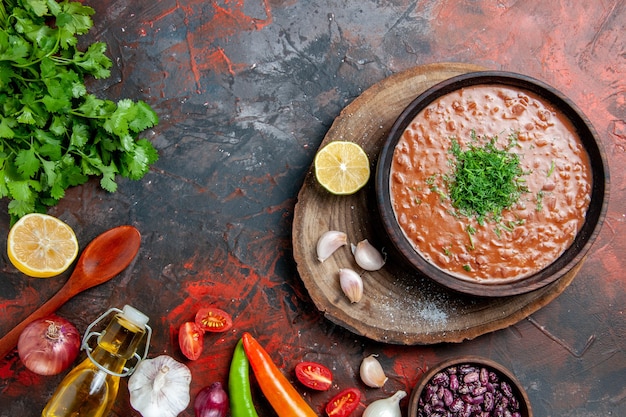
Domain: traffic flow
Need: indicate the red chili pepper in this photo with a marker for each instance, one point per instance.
(282, 396)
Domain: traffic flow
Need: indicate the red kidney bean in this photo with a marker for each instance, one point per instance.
(448, 397)
(480, 390)
(489, 401)
(454, 382)
(457, 405)
(468, 390)
(470, 377)
(484, 376)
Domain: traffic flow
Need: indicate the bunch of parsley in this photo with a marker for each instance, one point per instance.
(54, 134)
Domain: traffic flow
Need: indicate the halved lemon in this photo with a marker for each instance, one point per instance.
(342, 167)
(41, 246)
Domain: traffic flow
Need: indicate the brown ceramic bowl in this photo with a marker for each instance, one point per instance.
(570, 258)
(423, 389)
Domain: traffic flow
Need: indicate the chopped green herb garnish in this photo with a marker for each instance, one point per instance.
(486, 179)
(551, 170)
(539, 204)
(518, 222)
(434, 188)
(467, 267)
(438, 190)
(470, 231)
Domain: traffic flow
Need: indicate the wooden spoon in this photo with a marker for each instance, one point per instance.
(103, 258)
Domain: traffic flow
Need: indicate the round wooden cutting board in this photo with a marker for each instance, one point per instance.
(399, 306)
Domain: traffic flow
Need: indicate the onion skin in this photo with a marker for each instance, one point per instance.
(49, 345)
(212, 401)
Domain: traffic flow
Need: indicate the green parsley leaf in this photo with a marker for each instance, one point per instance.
(108, 178)
(94, 61)
(38, 7)
(27, 162)
(75, 17)
(6, 125)
(144, 118)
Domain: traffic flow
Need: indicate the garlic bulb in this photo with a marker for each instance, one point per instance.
(329, 242)
(386, 407)
(372, 373)
(159, 387)
(351, 284)
(367, 256)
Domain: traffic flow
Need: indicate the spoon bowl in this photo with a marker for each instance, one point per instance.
(103, 258)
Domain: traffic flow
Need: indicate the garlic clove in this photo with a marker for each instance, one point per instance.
(351, 284)
(329, 242)
(367, 256)
(372, 373)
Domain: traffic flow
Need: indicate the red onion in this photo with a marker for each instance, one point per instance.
(49, 345)
(212, 401)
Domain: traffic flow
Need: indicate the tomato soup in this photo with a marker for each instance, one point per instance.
(524, 237)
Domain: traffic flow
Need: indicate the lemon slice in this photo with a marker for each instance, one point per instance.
(342, 167)
(41, 246)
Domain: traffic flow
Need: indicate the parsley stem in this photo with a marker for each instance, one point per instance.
(47, 55)
(551, 170)
(3, 15)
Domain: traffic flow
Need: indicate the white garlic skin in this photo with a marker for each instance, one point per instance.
(159, 387)
(329, 242)
(367, 256)
(372, 373)
(386, 407)
(351, 284)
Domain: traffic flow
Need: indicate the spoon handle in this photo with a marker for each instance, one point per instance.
(9, 340)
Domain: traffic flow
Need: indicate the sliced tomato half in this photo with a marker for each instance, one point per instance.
(191, 340)
(314, 375)
(344, 403)
(211, 319)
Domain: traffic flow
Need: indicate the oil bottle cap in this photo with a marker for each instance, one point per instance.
(135, 316)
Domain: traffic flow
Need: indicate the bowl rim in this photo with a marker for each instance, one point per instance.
(416, 393)
(584, 239)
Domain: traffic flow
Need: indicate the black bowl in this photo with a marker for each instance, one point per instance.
(583, 240)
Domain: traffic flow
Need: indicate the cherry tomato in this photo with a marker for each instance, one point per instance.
(191, 340)
(211, 319)
(344, 403)
(314, 375)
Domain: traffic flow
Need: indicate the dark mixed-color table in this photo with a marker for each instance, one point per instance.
(246, 91)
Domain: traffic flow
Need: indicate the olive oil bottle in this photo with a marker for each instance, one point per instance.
(90, 389)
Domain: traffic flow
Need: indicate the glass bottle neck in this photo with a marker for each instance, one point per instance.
(110, 361)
